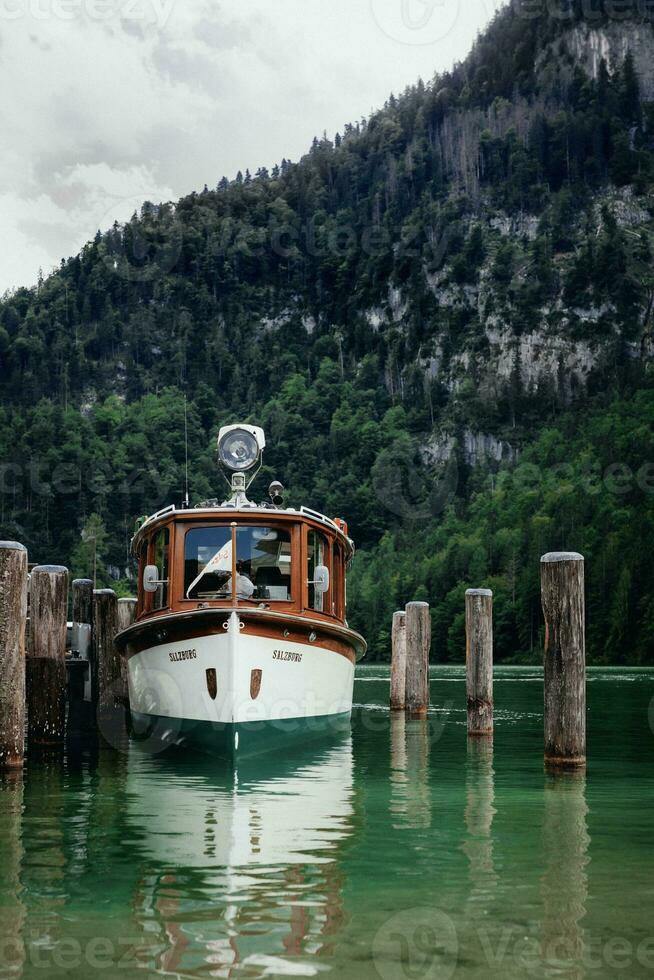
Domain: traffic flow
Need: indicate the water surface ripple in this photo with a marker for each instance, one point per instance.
(401, 850)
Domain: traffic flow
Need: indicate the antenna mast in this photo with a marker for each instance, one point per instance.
(186, 497)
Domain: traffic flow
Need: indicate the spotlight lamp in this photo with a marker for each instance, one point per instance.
(240, 447)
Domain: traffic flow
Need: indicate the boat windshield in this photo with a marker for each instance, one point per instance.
(208, 563)
(263, 563)
(263, 558)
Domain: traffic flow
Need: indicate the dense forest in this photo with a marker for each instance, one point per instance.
(442, 316)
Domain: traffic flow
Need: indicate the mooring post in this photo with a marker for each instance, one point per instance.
(81, 716)
(13, 613)
(46, 655)
(562, 590)
(479, 661)
(398, 662)
(105, 662)
(83, 626)
(82, 615)
(126, 613)
(126, 616)
(418, 642)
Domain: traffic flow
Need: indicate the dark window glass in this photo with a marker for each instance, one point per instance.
(161, 549)
(208, 563)
(263, 563)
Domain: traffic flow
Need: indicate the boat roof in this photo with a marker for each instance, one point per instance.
(205, 511)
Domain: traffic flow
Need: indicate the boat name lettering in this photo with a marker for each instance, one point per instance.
(287, 655)
(183, 655)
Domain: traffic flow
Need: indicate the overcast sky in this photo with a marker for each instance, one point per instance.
(106, 103)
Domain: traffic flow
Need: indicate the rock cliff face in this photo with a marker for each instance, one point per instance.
(475, 448)
(590, 44)
(550, 351)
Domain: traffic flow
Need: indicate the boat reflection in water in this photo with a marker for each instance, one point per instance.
(241, 871)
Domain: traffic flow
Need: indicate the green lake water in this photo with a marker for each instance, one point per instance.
(400, 851)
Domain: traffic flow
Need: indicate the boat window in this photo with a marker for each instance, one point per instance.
(208, 563)
(263, 563)
(161, 549)
(318, 554)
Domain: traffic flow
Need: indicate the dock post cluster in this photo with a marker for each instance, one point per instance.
(411, 639)
(564, 674)
(52, 692)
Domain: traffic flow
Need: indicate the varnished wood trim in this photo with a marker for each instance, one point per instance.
(259, 622)
(219, 516)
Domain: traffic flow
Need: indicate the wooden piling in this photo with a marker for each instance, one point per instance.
(562, 590)
(126, 613)
(105, 661)
(13, 612)
(46, 655)
(126, 616)
(81, 714)
(398, 662)
(82, 618)
(82, 609)
(418, 642)
(479, 661)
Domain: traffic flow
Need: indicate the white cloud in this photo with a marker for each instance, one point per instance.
(109, 102)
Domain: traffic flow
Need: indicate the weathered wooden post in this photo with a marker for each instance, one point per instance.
(46, 655)
(81, 716)
(398, 662)
(479, 661)
(82, 616)
(126, 616)
(126, 613)
(105, 662)
(13, 613)
(562, 590)
(418, 642)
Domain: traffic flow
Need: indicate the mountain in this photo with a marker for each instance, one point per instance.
(442, 317)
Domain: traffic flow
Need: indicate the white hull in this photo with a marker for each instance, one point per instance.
(298, 682)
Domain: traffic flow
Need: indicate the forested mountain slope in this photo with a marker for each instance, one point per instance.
(442, 317)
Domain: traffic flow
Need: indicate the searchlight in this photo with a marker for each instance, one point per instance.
(240, 450)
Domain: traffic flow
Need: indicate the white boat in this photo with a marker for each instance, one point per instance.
(241, 639)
